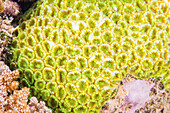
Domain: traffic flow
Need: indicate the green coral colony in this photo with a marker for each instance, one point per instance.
(74, 53)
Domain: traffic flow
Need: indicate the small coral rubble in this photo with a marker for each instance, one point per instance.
(8, 10)
(16, 102)
(6, 30)
(160, 100)
(36, 107)
(6, 27)
(11, 8)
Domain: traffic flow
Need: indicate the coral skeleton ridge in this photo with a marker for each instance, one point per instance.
(72, 54)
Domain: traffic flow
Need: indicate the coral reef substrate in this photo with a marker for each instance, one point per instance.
(73, 53)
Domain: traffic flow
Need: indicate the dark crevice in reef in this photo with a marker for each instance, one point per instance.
(24, 6)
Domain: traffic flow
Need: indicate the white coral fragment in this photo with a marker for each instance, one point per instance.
(137, 94)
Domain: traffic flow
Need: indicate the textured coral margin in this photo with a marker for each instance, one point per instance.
(159, 98)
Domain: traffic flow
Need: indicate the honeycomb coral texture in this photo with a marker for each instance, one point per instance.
(74, 53)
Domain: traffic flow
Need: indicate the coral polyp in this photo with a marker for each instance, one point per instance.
(73, 53)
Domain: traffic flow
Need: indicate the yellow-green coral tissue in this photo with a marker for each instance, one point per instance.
(74, 53)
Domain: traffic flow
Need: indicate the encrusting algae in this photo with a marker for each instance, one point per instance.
(73, 53)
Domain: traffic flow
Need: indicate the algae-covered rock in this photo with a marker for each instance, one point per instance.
(74, 53)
